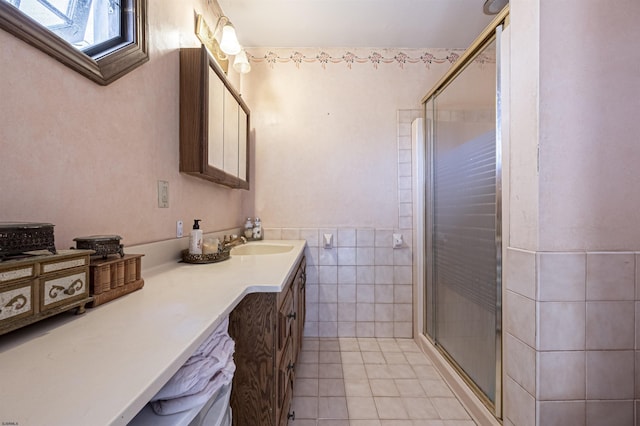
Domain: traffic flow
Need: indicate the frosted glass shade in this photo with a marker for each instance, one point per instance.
(241, 63)
(229, 41)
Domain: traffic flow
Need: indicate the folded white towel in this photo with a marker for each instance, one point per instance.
(175, 405)
(202, 375)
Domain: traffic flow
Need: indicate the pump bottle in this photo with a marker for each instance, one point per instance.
(195, 238)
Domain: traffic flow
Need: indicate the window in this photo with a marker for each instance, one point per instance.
(101, 39)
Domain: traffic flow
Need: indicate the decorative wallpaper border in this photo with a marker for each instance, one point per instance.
(374, 58)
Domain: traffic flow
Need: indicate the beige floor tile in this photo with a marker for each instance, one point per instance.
(332, 407)
(361, 407)
(371, 382)
(389, 345)
(306, 422)
(410, 388)
(368, 344)
(417, 358)
(378, 371)
(373, 358)
(395, 358)
(329, 345)
(450, 409)
(310, 344)
(383, 387)
(435, 388)
(354, 371)
(408, 345)
(349, 344)
(364, 422)
(306, 407)
(458, 423)
(307, 371)
(420, 408)
(305, 387)
(329, 357)
(402, 371)
(330, 371)
(426, 372)
(351, 357)
(332, 422)
(390, 408)
(357, 387)
(331, 387)
(396, 423)
(308, 357)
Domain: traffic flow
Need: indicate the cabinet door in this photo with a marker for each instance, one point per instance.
(230, 134)
(242, 144)
(300, 284)
(215, 147)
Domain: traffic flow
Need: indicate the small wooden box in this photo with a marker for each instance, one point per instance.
(114, 277)
(41, 285)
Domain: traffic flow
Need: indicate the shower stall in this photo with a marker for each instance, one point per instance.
(462, 219)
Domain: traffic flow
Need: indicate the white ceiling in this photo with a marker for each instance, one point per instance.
(356, 23)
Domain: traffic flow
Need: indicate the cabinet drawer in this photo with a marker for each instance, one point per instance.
(16, 301)
(17, 273)
(62, 288)
(63, 264)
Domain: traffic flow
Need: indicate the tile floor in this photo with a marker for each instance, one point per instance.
(371, 382)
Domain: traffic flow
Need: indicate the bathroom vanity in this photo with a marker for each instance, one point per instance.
(102, 368)
(267, 329)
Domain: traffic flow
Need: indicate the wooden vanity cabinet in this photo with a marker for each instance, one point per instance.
(267, 329)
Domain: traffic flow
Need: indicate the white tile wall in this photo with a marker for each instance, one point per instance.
(586, 368)
(362, 286)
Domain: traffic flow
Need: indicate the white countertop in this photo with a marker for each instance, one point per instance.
(102, 367)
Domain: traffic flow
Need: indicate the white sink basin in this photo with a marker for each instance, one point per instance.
(260, 249)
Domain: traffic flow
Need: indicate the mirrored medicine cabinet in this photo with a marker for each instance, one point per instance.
(214, 122)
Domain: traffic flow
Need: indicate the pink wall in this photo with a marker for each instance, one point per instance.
(87, 158)
(589, 129)
(326, 131)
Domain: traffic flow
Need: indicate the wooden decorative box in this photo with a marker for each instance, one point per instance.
(114, 277)
(41, 285)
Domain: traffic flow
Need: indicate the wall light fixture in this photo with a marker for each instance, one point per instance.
(227, 36)
(241, 63)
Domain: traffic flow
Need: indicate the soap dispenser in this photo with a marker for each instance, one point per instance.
(248, 228)
(195, 238)
(257, 229)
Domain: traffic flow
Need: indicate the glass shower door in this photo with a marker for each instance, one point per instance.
(464, 258)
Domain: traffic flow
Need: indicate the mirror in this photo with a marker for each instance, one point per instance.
(214, 122)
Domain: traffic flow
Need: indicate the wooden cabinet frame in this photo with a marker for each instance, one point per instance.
(196, 66)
